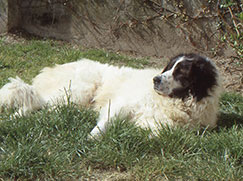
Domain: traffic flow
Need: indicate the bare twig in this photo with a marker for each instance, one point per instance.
(233, 19)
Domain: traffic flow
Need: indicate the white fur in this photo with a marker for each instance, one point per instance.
(111, 91)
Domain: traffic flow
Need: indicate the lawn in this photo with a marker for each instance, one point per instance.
(53, 145)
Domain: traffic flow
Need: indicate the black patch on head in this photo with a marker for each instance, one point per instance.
(172, 62)
(196, 74)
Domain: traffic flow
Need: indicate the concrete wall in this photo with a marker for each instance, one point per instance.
(3, 15)
(46, 19)
(14, 14)
(146, 28)
(10, 16)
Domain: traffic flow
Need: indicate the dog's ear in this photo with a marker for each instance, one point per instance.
(204, 77)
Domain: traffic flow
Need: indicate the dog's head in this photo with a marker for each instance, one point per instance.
(187, 74)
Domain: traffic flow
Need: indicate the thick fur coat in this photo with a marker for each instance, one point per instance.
(111, 91)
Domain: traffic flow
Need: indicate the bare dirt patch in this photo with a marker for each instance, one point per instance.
(110, 175)
(232, 74)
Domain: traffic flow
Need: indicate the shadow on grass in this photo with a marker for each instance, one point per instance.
(228, 120)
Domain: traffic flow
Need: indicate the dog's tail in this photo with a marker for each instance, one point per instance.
(18, 94)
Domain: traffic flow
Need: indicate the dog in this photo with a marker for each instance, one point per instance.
(186, 92)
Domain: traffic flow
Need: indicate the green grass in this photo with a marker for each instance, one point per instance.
(27, 59)
(53, 145)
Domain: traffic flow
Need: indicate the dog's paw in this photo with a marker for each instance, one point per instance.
(95, 133)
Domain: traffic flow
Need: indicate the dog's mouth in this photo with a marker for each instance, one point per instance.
(158, 91)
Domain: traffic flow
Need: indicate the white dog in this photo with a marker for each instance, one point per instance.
(186, 92)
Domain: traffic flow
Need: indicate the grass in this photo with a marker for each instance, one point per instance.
(28, 58)
(53, 145)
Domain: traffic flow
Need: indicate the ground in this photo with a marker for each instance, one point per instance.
(232, 74)
(178, 161)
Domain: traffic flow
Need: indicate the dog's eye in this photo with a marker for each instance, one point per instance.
(183, 80)
(178, 69)
(182, 69)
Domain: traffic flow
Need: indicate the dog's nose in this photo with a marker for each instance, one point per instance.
(157, 79)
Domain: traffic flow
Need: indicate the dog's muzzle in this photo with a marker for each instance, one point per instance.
(157, 83)
(157, 80)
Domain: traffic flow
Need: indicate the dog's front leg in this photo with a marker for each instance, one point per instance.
(99, 129)
(106, 115)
